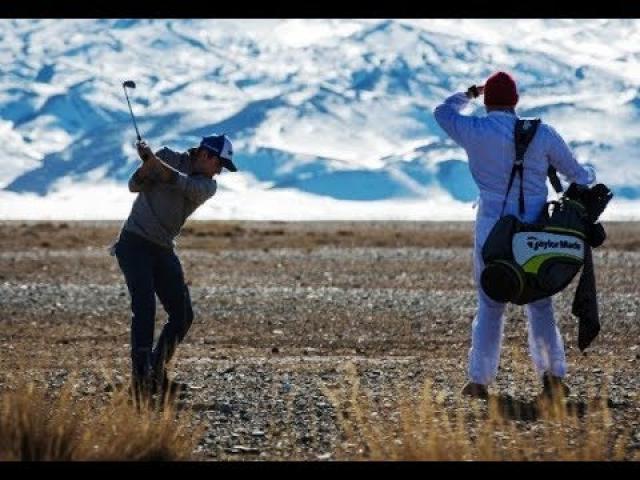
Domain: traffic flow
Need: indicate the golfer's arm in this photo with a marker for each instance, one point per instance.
(461, 128)
(561, 157)
(140, 181)
(163, 172)
(197, 190)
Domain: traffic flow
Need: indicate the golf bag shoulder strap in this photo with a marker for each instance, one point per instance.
(554, 180)
(524, 131)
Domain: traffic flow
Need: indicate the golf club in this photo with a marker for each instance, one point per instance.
(131, 84)
(125, 85)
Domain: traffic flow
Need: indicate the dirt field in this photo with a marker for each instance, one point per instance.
(282, 308)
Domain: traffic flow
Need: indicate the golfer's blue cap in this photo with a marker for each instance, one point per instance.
(221, 146)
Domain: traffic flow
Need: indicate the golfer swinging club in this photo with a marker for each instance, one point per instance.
(170, 186)
(489, 143)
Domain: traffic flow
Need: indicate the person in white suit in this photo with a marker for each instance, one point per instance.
(489, 143)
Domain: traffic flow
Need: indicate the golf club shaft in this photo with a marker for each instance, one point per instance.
(131, 111)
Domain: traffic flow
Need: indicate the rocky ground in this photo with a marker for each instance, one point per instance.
(285, 311)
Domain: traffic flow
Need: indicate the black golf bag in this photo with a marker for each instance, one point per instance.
(525, 262)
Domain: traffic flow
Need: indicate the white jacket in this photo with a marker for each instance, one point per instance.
(489, 143)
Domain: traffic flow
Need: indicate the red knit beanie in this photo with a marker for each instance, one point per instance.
(500, 90)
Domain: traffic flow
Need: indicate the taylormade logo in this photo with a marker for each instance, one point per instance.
(536, 244)
(526, 245)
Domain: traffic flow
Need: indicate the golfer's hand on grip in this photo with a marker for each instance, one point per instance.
(144, 151)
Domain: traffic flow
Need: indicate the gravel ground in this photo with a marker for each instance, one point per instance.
(281, 317)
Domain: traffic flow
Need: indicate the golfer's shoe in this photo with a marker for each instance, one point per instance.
(475, 390)
(140, 391)
(553, 387)
(169, 388)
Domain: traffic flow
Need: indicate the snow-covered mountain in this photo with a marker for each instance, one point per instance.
(331, 119)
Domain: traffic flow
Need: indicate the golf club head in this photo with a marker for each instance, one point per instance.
(129, 84)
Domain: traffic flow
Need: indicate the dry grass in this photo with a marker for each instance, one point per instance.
(428, 428)
(42, 425)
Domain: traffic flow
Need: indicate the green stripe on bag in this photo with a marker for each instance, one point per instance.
(533, 264)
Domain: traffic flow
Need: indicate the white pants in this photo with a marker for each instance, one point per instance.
(545, 342)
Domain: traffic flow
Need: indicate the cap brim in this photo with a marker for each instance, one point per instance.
(228, 164)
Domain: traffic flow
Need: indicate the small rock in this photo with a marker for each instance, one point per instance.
(257, 433)
(242, 450)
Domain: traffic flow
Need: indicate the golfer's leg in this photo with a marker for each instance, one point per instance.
(545, 342)
(487, 327)
(486, 340)
(137, 265)
(174, 295)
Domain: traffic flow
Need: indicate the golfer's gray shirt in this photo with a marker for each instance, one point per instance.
(161, 209)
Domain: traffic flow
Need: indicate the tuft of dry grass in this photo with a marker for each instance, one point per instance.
(40, 425)
(431, 428)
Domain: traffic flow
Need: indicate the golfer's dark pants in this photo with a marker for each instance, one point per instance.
(151, 270)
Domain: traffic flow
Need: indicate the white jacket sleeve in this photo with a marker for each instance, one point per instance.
(561, 157)
(461, 128)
